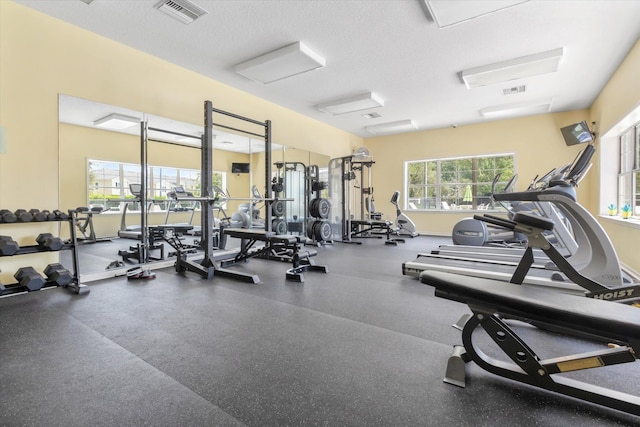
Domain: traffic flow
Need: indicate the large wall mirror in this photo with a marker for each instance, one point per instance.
(100, 160)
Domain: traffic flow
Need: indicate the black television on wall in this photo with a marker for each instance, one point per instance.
(577, 133)
(240, 167)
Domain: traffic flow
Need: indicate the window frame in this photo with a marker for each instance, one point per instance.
(628, 174)
(438, 185)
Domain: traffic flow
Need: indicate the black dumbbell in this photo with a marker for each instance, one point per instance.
(50, 215)
(23, 215)
(57, 274)
(37, 215)
(60, 215)
(29, 278)
(48, 241)
(8, 246)
(7, 216)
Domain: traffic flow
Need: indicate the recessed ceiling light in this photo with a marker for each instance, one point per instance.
(447, 12)
(513, 110)
(291, 60)
(525, 66)
(393, 127)
(360, 102)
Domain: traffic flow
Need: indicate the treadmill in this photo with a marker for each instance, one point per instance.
(595, 258)
(130, 231)
(562, 236)
(175, 198)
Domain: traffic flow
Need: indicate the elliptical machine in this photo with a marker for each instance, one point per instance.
(403, 224)
(472, 232)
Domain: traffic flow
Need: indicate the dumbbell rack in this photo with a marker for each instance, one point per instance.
(71, 245)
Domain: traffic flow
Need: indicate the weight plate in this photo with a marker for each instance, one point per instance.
(324, 208)
(310, 232)
(279, 226)
(313, 208)
(278, 208)
(322, 231)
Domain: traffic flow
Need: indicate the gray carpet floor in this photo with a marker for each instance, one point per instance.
(362, 345)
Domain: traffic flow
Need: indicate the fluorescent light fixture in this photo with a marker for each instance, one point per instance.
(447, 12)
(116, 121)
(360, 102)
(514, 110)
(525, 66)
(393, 127)
(291, 60)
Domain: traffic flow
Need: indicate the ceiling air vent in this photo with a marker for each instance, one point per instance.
(182, 10)
(515, 89)
(373, 115)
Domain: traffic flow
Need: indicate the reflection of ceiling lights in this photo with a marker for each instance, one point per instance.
(116, 121)
(393, 127)
(525, 66)
(360, 102)
(293, 59)
(513, 110)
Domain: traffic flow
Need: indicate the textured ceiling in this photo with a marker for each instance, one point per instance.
(389, 47)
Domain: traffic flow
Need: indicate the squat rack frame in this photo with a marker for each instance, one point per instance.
(207, 267)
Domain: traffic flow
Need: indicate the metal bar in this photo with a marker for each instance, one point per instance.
(236, 116)
(207, 180)
(267, 173)
(239, 130)
(174, 133)
(187, 145)
(144, 232)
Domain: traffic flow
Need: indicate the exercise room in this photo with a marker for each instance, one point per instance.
(319, 212)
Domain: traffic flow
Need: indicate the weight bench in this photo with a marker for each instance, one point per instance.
(492, 301)
(280, 247)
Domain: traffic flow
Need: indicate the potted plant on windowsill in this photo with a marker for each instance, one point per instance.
(626, 211)
(612, 209)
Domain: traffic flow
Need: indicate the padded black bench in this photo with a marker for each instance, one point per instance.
(493, 301)
(278, 247)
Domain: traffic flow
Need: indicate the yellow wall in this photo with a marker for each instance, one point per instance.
(620, 96)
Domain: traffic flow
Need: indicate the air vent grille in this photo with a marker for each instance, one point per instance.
(183, 10)
(513, 90)
(373, 115)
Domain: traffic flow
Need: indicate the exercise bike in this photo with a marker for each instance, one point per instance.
(403, 224)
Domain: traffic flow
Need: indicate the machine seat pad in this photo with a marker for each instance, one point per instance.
(606, 319)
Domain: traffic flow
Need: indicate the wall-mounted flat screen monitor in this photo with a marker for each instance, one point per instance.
(577, 133)
(240, 167)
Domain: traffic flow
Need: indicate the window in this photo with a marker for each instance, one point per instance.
(629, 172)
(456, 183)
(109, 183)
